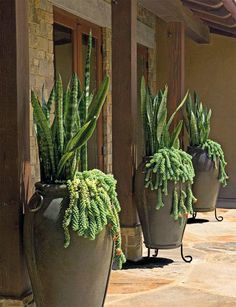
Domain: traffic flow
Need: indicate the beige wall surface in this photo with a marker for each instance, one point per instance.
(211, 71)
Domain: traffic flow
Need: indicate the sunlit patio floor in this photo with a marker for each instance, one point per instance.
(210, 280)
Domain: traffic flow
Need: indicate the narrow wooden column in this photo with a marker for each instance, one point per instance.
(14, 145)
(176, 46)
(124, 110)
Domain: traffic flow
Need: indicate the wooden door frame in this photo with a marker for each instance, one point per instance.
(79, 27)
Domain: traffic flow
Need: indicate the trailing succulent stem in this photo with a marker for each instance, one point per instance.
(175, 166)
(216, 154)
(197, 123)
(93, 205)
(167, 163)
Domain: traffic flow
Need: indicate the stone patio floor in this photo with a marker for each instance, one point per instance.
(210, 280)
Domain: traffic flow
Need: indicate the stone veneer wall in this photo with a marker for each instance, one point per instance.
(150, 20)
(40, 20)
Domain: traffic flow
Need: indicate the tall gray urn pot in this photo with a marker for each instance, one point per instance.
(160, 230)
(76, 276)
(206, 185)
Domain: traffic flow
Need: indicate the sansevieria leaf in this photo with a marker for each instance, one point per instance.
(178, 108)
(76, 142)
(160, 124)
(175, 135)
(99, 99)
(41, 121)
(59, 115)
(194, 130)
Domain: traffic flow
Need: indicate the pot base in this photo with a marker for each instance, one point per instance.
(165, 246)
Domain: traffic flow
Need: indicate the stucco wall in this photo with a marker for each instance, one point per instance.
(210, 70)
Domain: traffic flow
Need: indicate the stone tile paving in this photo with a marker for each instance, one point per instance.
(210, 280)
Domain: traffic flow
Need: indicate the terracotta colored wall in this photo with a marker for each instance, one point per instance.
(211, 71)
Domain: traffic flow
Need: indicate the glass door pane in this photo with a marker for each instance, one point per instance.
(70, 49)
(63, 53)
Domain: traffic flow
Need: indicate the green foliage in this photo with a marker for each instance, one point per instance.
(197, 120)
(197, 123)
(167, 163)
(157, 132)
(172, 165)
(59, 143)
(93, 205)
(216, 153)
(63, 144)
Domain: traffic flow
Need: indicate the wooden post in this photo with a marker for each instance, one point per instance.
(14, 145)
(170, 60)
(176, 45)
(124, 111)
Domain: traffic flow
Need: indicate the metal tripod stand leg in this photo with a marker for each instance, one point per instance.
(218, 218)
(188, 258)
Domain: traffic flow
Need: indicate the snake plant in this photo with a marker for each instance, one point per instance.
(61, 136)
(65, 123)
(166, 161)
(197, 122)
(156, 124)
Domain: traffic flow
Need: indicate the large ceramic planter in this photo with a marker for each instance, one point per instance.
(206, 184)
(160, 230)
(73, 277)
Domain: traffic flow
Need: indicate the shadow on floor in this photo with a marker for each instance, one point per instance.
(196, 221)
(147, 263)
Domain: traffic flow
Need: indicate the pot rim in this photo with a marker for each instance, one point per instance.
(51, 188)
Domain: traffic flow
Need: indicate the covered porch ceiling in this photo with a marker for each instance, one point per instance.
(219, 15)
(199, 16)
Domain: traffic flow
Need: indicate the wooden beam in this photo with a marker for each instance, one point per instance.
(124, 103)
(176, 65)
(231, 7)
(173, 10)
(14, 145)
